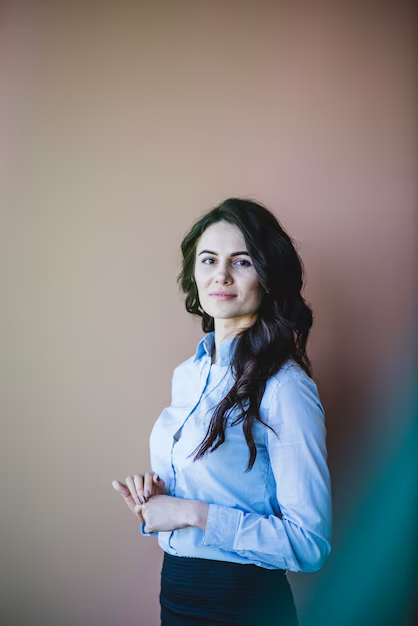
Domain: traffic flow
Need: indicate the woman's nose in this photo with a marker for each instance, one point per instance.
(223, 275)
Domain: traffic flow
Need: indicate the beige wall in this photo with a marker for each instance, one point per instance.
(122, 122)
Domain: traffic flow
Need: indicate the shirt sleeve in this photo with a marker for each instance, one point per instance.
(147, 534)
(298, 538)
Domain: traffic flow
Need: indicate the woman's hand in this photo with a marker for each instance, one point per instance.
(165, 513)
(138, 489)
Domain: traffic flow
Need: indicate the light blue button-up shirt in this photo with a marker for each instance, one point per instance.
(277, 515)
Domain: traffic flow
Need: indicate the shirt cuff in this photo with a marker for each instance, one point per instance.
(222, 526)
(144, 533)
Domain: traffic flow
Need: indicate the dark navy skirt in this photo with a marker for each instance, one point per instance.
(202, 591)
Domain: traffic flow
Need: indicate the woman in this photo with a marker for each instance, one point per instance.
(240, 481)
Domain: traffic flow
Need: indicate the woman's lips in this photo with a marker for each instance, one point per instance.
(222, 296)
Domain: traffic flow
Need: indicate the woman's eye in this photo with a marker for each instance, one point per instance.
(239, 262)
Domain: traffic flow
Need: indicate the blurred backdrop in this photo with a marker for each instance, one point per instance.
(121, 123)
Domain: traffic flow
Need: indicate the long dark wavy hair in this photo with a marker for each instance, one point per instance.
(283, 321)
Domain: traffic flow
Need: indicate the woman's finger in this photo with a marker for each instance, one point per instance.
(131, 486)
(120, 487)
(138, 512)
(148, 481)
(139, 486)
(125, 493)
(159, 484)
(157, 480)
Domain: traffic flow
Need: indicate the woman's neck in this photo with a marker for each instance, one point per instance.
(227, 329)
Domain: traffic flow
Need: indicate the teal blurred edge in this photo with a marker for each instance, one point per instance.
(371, 576)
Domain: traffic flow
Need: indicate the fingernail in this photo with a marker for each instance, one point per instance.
(141, 500)
(125, 492)
(147, 493)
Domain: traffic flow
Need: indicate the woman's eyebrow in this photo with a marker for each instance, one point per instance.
(216, 254)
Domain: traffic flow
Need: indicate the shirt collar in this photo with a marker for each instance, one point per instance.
(226, 349)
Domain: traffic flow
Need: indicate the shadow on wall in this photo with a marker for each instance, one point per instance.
(371, 576)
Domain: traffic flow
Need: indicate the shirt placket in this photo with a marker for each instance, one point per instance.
(204, 376)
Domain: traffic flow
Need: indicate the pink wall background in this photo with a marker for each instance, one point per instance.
(121, 123)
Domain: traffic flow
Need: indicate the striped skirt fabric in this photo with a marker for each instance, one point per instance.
(202, 591)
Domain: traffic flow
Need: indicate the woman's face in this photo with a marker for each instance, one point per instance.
(223, 266)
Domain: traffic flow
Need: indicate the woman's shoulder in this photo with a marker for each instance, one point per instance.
(290, 370)
(291, 380)
(182, 371)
